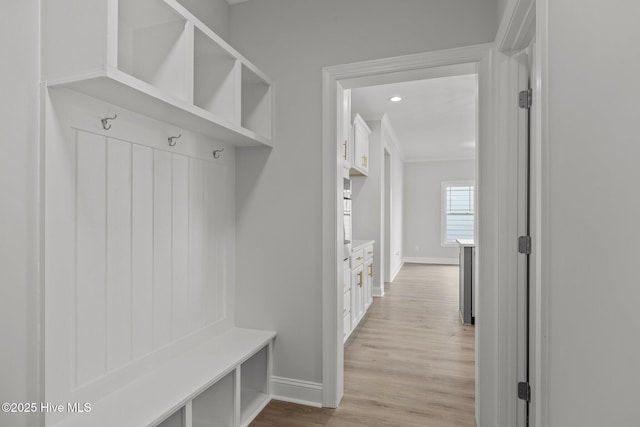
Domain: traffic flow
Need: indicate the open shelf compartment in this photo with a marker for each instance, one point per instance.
(214, 407)
(154, 46)
(216, 80)
(254, 390)
(256, 102)
(177, 419)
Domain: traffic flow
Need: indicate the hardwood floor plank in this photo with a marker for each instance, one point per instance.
(410, 363)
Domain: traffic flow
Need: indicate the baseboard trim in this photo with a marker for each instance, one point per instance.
(297, 391)
(429, 260)
(377, 292)
(396, 271)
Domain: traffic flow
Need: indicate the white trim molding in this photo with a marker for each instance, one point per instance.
(430, 260)
(297, 391)
(517, 26)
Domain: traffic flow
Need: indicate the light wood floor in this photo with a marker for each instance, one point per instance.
(410, 363)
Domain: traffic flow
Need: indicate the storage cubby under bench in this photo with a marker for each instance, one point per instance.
(224, 382)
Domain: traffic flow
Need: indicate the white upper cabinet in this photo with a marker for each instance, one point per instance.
(361, 132)
(346, 137)
(156, 58)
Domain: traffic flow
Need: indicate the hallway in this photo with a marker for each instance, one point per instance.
(410, 363)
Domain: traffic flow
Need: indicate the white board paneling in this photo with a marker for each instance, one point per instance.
(196, 242)
(180, 245)
(90, 296)
(134, 245)
(162, 250)
(142, 251)
(214, 255)
(118, 235)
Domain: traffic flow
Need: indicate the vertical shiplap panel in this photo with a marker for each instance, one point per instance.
(223, 228)
(162, 248)
(208, 249)
(60, 260)
(180, 285)
(214, 255)
(196, 241)
(91, 258)
(118, 253)
(142, 251)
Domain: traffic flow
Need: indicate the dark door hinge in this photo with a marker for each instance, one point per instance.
(524, 245)
(525, 98)
(524, 391)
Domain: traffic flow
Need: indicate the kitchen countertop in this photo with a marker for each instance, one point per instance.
(359, 244)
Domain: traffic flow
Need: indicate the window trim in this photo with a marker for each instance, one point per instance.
(443, 208)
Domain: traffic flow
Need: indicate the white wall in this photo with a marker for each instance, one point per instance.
(214, 13)
(280, 192)
(19, 32)
(593, 206)
(423, 205)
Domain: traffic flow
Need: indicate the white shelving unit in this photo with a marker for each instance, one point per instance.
(156, 58)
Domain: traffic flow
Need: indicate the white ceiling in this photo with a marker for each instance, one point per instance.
(436, 119)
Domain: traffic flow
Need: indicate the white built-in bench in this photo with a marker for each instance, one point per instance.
(226, 381)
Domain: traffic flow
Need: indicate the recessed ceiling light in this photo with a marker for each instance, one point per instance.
(395, 99)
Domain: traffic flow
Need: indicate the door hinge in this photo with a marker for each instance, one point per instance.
(524, 391)
(525, 98)
(524, 245)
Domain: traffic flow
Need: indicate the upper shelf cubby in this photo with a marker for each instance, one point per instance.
(156, 58)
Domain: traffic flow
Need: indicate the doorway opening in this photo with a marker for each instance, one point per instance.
(472, 60)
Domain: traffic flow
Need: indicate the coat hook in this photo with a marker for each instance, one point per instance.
(105, 122)
(171, 140)
(217, 153)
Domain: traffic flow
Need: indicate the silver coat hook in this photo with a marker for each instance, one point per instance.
(105, 122)
(172, 138)
(217, 153)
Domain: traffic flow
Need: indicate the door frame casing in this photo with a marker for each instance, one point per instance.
(490, 349)
(526, 22)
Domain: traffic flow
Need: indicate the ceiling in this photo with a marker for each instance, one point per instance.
(436, 119)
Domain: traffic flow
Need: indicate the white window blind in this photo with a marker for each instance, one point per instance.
(458, 212)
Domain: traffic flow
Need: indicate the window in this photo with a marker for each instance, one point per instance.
(458, 212)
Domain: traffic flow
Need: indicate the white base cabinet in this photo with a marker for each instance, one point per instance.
(361, 276)
(346, 298)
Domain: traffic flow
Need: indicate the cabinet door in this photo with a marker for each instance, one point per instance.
(368, 283)
(361, 145)
(357, 295)
(347, 129)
